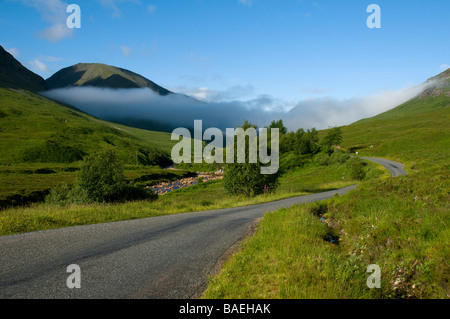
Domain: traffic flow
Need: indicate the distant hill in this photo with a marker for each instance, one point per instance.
(103, 76)
(15, 76)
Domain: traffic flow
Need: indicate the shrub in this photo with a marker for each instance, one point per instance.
(323, 159)
(339, 158)
(246, 179)
(357, 171)
(102, 177)
(101, 180)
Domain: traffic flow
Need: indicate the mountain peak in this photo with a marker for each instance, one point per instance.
(103, 76)
(15, 76)
(437, 85)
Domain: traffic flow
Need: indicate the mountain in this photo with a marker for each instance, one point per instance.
(121, 110)
(103, 76)
(15, 76)
(35, 129)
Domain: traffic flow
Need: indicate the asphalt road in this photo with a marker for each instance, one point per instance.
(160, 257)
(395, 168)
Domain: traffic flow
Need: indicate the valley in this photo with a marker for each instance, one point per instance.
(400, 224)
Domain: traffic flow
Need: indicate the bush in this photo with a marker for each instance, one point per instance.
(67, 194)
(357, 171)
(290, 160)
(246, 179)
(339, 158)
(322, 158)
(100, 180)
(102, 177)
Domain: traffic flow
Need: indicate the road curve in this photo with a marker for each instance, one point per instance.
(395, 168)
(160, 257)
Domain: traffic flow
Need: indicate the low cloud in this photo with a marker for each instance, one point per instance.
(179, 110)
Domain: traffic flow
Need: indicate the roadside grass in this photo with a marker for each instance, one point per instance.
(394, 223)
(287, 258)
(205, 196)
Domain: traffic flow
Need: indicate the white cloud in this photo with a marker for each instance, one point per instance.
(328, 111)
(54, 12)
(39, 66)
(114, 6)
(151, 8)
(14, 52)
(444, 67)
(126, 51)
(209, 95)
(246, 2)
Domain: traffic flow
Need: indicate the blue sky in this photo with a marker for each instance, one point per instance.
(290, 50)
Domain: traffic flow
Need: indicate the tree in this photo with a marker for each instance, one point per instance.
(306, 142)
(332, 138)
(101, 176)
(246, 178)
(279, 125)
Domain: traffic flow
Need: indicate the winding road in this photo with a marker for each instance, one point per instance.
(166, 257)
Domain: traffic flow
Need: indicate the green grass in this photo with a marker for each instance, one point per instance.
(20, 185)
(394, 223)
(400, 224)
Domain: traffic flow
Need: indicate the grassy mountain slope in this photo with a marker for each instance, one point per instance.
(101, 75)
(416, 132)
(35, 129)
(15, 75)
(42, 143)
(435, 96)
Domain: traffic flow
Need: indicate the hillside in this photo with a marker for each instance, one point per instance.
(103, 76)
(416, 131)
(435, 96)
(34, 129)
(14, 75)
